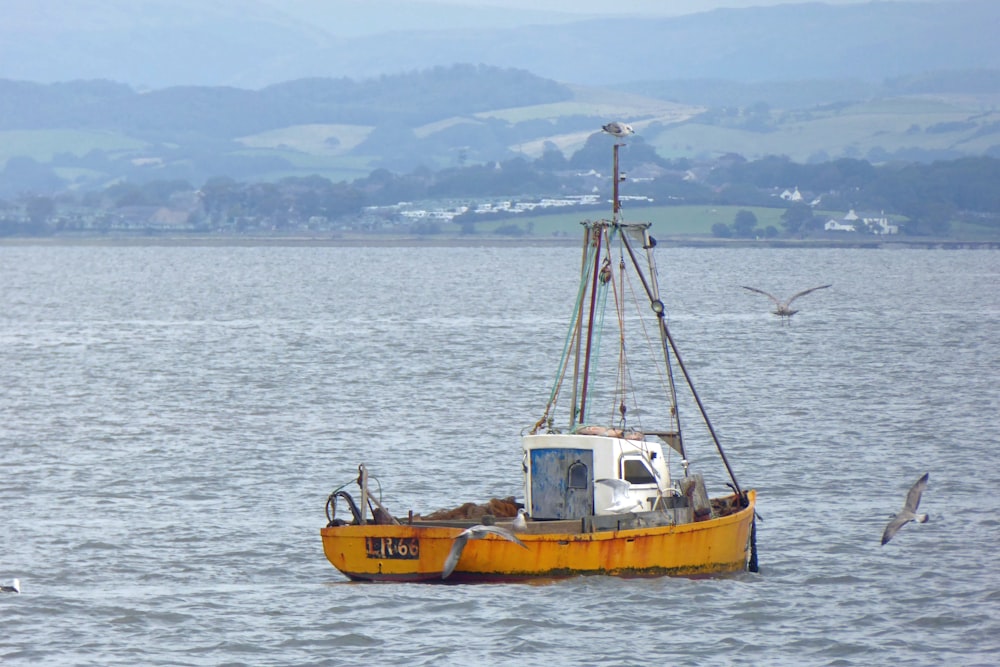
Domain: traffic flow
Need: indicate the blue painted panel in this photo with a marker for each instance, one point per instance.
(562, 483)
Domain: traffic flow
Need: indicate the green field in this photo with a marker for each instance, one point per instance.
(597, 103)
(666, 220)
(885, 125)
(876, 130)
(323, 140)
(42, 145)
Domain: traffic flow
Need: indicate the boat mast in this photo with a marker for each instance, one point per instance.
(616, 205)
(597, 231)
(594, 234)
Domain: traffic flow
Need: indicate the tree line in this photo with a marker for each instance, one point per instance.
(929, 196)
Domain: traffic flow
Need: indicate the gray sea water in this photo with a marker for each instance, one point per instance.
(173, 419)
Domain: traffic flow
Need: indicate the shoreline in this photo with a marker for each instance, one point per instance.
(439, 241)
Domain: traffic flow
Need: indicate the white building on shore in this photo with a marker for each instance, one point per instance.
(852, 222)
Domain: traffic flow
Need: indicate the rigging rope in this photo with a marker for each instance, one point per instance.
(621, 386)
(602, 299)
(570, 335)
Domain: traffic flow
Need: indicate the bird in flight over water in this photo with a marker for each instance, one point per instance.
(477, 532)
(783, 309)
(909, 511)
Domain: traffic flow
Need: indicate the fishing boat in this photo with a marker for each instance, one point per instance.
(608, 485)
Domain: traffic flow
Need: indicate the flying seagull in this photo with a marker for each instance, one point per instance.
(477, 532)
(520, 522)
(12, 587)
(784, 308)
(621, 498)
(617, 129)
(909, 511)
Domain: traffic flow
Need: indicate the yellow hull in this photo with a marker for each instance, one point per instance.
(413, 552)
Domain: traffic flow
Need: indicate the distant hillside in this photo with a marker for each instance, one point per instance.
(983, 84)
(91, 133)
(86, 134)
(916, 118)
(221, 112)
(251, 44)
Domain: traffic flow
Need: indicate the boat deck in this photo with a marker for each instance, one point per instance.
(595, 523)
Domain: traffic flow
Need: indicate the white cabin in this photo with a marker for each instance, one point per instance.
(560, 470)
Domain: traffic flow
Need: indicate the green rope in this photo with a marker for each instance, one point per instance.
(572, 326)
(595, 357)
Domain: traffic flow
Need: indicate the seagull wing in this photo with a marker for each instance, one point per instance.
(625, 505)
(619, 487)
(457, 547)
(907, 514)
(499, 532)
(897, 522)
(804, 292)
(913, 497)
(621, 497)
(773, 298)
(474, 533)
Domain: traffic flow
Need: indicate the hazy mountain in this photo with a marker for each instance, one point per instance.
(257, 89)
(253, 43)
(83, 135)
(352, 18)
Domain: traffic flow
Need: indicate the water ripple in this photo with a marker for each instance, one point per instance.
(175, 418)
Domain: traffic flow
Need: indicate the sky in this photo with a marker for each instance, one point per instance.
(602, 7)
(155, 43)
(360, 17)
(350, 18)
(658, 7)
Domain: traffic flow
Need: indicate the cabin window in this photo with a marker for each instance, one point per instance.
(635, 471)
(576, 476)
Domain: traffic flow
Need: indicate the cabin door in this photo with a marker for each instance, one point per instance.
(562, 483)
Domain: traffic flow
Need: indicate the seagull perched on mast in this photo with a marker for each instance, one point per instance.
(783, 308)
(477, 532)
(617, 129)
(909, 511)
